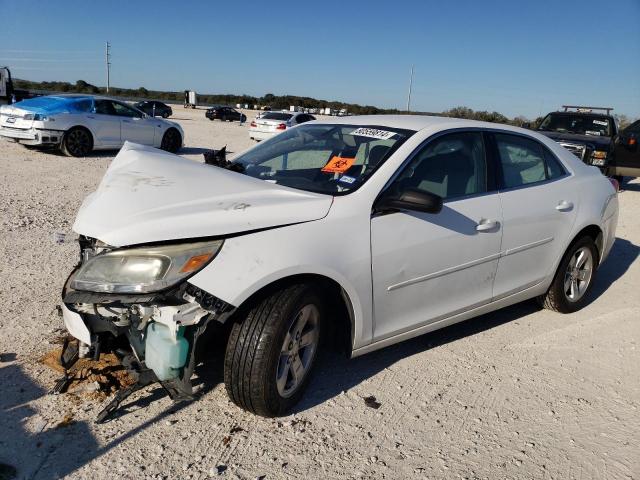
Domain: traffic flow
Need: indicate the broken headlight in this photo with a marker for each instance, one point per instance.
(144, 269)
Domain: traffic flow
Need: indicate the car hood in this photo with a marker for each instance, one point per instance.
(148, 195)
(592, 141)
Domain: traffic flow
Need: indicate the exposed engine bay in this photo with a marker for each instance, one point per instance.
(154, 334)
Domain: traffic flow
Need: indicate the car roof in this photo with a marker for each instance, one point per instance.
(419, 122)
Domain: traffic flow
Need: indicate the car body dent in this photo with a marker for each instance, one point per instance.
(149, 195)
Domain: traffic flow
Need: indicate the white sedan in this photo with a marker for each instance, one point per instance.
(272, 123)
(79, 124)
(371, 229)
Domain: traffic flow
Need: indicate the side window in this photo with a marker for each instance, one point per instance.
(104, 107)
(554, 167)
(124, 111)
(451, 166)
(522, 160)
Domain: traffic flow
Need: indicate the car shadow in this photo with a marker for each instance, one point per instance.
(336, 374)
(34, 446)
(622, 255)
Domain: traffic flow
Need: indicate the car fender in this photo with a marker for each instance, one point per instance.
(335, 248)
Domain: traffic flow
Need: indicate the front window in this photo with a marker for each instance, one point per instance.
(577, 123)
(331, 159)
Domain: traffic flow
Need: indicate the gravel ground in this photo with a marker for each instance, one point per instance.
(519, 393)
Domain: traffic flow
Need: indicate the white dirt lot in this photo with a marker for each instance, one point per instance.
(519, 393)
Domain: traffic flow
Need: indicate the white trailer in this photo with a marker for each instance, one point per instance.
(190, 99)
(6, 86)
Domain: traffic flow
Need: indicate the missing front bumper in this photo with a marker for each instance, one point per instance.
(161, 330)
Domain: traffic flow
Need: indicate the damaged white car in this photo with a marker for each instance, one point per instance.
(379, 227)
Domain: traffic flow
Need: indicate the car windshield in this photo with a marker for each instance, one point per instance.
(576, 123)
(277, 116)
(323, 158)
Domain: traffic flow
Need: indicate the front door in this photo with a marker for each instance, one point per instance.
(539, 209)
(105, 124)
(430, 266)
(135, 127)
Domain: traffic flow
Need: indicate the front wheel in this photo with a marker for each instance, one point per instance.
(77, 142)
(574, 278)
(171, 141)
(270, 355)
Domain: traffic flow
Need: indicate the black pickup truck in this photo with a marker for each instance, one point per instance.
(595, 139)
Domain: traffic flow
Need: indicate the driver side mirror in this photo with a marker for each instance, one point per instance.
(412, 199)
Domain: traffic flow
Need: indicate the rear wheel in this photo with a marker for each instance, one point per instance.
(271, 354)
(171, 141)
(574, 278)
(77, 142)
(165, 115)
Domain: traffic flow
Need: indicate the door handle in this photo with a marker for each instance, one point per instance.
(126, 121)
(486, 224)
(564, 206)
(90, 116)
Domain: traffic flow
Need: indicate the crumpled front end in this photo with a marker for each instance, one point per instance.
(158, 331)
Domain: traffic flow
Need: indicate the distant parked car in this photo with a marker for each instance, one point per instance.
(154, 108)
(626, 156)
(272, 123)
(79, 124)
(224, 114)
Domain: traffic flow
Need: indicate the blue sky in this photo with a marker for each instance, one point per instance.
(512, 56)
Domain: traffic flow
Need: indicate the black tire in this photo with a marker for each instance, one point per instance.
(558, 296)
(255, 355)
(171, 141)
(165, 115)
(77, 142)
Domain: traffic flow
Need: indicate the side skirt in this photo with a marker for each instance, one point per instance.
(526, 294)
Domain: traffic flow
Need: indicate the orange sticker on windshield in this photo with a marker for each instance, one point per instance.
(338, 165)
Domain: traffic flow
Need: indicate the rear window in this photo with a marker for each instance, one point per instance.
(277, 116)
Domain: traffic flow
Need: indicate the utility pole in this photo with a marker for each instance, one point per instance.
(409, 96)
(107, 59)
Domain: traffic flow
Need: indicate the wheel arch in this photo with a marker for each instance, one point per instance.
(339, 302)
(83, 127)
(595, 233)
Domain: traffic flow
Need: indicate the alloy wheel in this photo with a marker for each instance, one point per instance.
(578, 274)
(298, 350)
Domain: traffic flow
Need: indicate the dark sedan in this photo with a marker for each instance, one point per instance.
(154, 108)
(224, 114)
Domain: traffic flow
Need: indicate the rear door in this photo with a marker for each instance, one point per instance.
(539, 209)
(105, 124)
(627, 153)
(135, 127)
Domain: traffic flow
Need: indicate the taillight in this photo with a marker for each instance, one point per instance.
(282, 126)
(254, 124)
(615, 183)
(632, 141)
